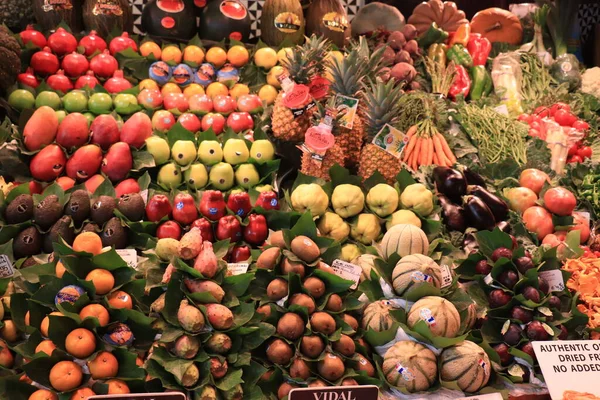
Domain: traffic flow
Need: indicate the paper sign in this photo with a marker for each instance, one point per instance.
(129, 256)
(489, 396)
(391, 140)
(237, 268)
(446, 275)
(367, 392)
(144, 194)
(571, 368)
(554, 279)
(141, 396)
(348, 106)
(347, 271)
(6, 268)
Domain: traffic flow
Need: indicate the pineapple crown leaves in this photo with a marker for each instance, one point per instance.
(382, 105)
(307, 60)
(319, 114)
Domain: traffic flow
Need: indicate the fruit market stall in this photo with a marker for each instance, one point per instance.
(408, 202)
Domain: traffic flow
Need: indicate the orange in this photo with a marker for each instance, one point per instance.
(89, 242)
(239, 89)
(120, 299)
(9, 331)
(43, 394)
(193, 89)
(27, 317)
(171, 54)
(45, 346)
(46, 323)
(273, 76)
(60, 269)
(148, 48)
(193, 54)
(216, 56)
(215, 89)
(95, 311)
(170, 88)
(148, 84)
(102, 279)
(65, 375)
(82, 394)
(265, 57)
(80, 343)
(6, 357)
(104, 365)
(238, 56)
(117, 386)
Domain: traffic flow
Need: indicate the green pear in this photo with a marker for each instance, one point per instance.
(247, 176)
(196, 176)
(262, 151)
(210, 152)
(183, 152)
(221, 176)
(159, 148)
(169, 176)
(235, 151)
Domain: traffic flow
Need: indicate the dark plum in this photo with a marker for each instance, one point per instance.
(501, 252)
(502, 350)
(563, 332)
(535, 331)
(512, 335)
(554, 302)
(531, 293)
(524, 264)
(528, 348)
(508, 278)
(522, 314)
(483, 267)
(498, 298)
(543, 285)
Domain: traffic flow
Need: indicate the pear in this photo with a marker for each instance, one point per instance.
(196, 176)
(183, 152)
(169, 176)
(262, 151)
(159, 148)
(247, 176)
(210, 152)
(235, 152)
(221, 176)
(264, 188)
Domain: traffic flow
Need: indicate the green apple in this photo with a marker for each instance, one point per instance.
(196, 176)
(247, 176)
(235, 151)
(221, 176)
(159, 148)
(48, 98)
(60, 114)
(75, 101)
(210, 152)
(262, 151)
(126, 104)
(90, 117)
(100, 103)
(183, 152)
(169, 176)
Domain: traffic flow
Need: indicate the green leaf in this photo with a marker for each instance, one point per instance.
(178, 132)
(305, 226)
(142, 160)
(237, 284)
(105, 189)
(405, 179)
(492, 240)
(230, 380)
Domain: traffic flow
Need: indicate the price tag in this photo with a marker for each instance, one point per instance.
(489, 396)
(554, 279)
(349, 107)
(391, 140)
(347, 271)
(446, 275)
(144, 194)
(129, 256)
(488, 279)
(6, 268)
(237, 268)
(367, 392)
(141, 396)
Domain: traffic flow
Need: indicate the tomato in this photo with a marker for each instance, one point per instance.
(542, 111)
(573, 149)
(535, 125)
(581, 125)
(575, 159)
(524, 117)
(533, 179)
(559, 106)
(534, 133)
(539, 221)
(585, 152)
(564, 118)
(582, 225)
(560, 201)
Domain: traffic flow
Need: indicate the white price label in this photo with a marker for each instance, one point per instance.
(129, 256)
(446, 275)
(554, 279)
(237, 268)
(488, 279)
(6, 268)
(144, 194)
(489, 396)
(347, 271)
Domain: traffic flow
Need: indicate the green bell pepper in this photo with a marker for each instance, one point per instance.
(437, 52)
(481, 82)
(460, 55)
(434, 34)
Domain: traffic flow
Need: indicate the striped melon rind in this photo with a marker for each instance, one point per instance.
(404, 239)
(403, 276)
(446, 320)
(377, 317)
(467, 364)
(418, 363)
(366, 263)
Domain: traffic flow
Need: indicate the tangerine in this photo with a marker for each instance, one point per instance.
(95, 311)
(216, 56)
(170, 88)
(117, 386)
(148, 48)
(171, 54)
(238, 56)
(27, 318)
(148, 84)
(9, 331)
(239, 89)
(60, 269)
(45, 346)
(273, 75)
(268, 94)
(193, 89)
(43, 394)
(6, 357)
(89, 242)
(46, 323)
(82, 394)
(215, 89)
(65, 375)
(265, 57)
(104, 365)
(102, 279)
(120, 299)
(193, 54)
(80, 343)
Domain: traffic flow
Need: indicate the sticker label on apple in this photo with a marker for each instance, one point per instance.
(554, 278)
(446, 275)
(237, 268)
(6, 267)
(129, 256)
(347, 271)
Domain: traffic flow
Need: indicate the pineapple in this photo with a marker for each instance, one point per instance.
(303, 63)
(381, 108)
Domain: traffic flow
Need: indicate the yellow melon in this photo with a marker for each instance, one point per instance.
(377, 316)
(414, 271)
(366, 262)
(410, 365)
(440, 314)
(404, 239)
(467, 364)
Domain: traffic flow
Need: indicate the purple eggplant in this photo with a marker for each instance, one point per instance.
(453, 215)
(473, 178)
(478, 213)
(496, 204)
(450, 182)
(504, 226)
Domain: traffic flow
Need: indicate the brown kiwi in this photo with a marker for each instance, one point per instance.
(350, 320)
(349, 382)
(365, 365)
(322, 322)
(315, 286)
(284, 390)
(305, 248)
(299, 369)
(324, 267)
(265, 310)
(276, 239)
(312, 346)
(317, 383)
(334, 303)
(345, 346)
(268, 258)
(304, 300)
(288, 266)
(331, 367)
(290, 326)
(279, 352)
(277, 289)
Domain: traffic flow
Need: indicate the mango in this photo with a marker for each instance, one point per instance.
(73, 131)
(136, 130)
(41, 128)
(105, 131)
(48, 164)
(117, 162)
(85, 162)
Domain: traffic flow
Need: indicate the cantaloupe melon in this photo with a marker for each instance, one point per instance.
(468, 317)
(366, 263)
(467, 364)
(413, 271)
(377, 317)
(404, 239)
(440, 314)
(411, 365)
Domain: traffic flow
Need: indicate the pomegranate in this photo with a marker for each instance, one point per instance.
(60, 82)
(62, 42)
(88, 79)
(44, 62)
(121, 43)
(28, 78)
(75, 64)
(92, 43)
(104, 65)
(30, 35)
(117, 83)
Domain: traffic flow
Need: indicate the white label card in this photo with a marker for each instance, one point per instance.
(347, 271)
(554, 279)
(129, 256)
(446, 275)
(6, 267)
(237, 268)
(489, 396)
(144, 194)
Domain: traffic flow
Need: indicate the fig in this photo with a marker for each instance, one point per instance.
(535, 331)
(290, 326)
(524, 264)
(312, 346)
(508, 278)
(323, 323)
(317, 383)
(521, 314)
(365, 365)
(498, 298)
(284, 389)
(265, 310)
(345, 346)
(483, 267)
(543, 285)
(277, 289)
(331, 367)
(502, 252)
(531, 293)
(303, 300)
(186, 347)
(502, 350)
(334, 303)
(218, 368)
(279, 352)
(512, 335)
(315, 287)
(190, 376)
(299, 369)
(349, 382)
(219, 343)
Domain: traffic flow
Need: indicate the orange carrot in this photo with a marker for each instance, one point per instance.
(435, 159)
(411, 131)
(429, 151)
(417, 153)
(447, 152)
(409, 148)
(438, 150)
(423, 152)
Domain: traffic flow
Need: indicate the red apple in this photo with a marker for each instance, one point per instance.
(249, 102)
(521, 198)
(169, 229)
(158, 207)
(150, 99)
(176, 101)
(200, 104)
(533, 179)
(224, 104)
(214, 121)
(538, 220)
(190, 122)
(162, 120)
(240, 121)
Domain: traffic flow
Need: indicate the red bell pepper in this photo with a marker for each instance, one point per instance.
(479, 48)
(229, 228)
(239, 253)
(461, 85)
(239, 203)
(256, 232)
(267, 200)
(205, 228)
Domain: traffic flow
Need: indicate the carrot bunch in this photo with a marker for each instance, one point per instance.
(427, 146)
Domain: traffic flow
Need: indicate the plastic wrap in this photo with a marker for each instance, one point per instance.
(507, 76)
(559, 139)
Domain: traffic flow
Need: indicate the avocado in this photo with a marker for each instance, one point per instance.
(47, 212)
(20, 209)
(62, 228)
(91, 227)
(27, 243)
(114, 234)
(78, 206)
(132, 206)
(103, 209)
